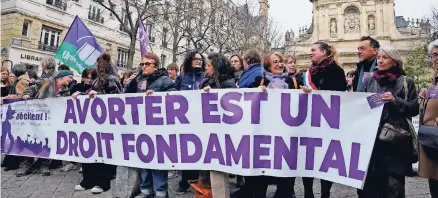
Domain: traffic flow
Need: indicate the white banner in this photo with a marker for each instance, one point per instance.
(283, 133)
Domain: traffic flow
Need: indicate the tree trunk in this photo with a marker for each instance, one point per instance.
(175, 46)
(131, 52)
(174, 55)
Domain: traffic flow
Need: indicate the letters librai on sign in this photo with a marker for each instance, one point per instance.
(32, 58)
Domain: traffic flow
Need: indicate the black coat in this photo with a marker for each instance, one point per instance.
(159, 81)
(81, 87)
(393, 157)
(331, 79)
(5, 91)
(190, 80)
(225, 81)
(112, 86)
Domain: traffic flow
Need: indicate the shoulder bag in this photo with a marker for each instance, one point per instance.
(391, 133)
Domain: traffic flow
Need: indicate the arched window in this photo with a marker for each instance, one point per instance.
(351, 10)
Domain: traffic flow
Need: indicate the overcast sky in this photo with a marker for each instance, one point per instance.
(292, 14)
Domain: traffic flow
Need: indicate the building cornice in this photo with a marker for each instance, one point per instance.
(350, 54)
(33, 50)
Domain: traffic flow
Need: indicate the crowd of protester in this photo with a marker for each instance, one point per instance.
(380, 69)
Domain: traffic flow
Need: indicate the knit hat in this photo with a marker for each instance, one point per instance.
(64, 73)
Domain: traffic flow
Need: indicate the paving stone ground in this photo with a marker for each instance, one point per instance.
(61, 184)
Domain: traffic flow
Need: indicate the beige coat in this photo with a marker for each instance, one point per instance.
(428, 167)
(22, 84)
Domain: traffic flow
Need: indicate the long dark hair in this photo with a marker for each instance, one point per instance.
(222, 68)
(187, 65)
(89, 71)
(104, 69)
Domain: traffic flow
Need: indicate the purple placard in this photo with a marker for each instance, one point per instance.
(376, 100)
(433, 92)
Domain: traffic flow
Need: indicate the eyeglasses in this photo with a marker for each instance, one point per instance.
(277, 61)
(434, 55)
(146, 64)
(197, 59)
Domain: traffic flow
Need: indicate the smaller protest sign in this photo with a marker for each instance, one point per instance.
(376, 100)
(433, 92)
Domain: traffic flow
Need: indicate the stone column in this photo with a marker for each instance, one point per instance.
(219, 184)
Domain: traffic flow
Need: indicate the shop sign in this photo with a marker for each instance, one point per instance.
(31, 57)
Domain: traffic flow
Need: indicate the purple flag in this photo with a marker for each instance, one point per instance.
(142, 37)
(79, 50)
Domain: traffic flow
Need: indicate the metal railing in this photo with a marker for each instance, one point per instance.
(57, 3)
(122, 64)
(47, 47)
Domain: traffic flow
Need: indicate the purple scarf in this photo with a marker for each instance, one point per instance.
(276, 81)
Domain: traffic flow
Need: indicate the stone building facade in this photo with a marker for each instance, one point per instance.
(343, 22)
(34, 29)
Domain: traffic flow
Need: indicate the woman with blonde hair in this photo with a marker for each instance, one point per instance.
(276, 76)
(323, 74)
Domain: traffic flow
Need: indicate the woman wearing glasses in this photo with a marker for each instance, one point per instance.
(152, 79)
(192, 74)
(275, 76)
(428, 162)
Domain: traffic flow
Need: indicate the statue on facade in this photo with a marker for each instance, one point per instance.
(287, 36)
(333, 27)
(371, 24)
